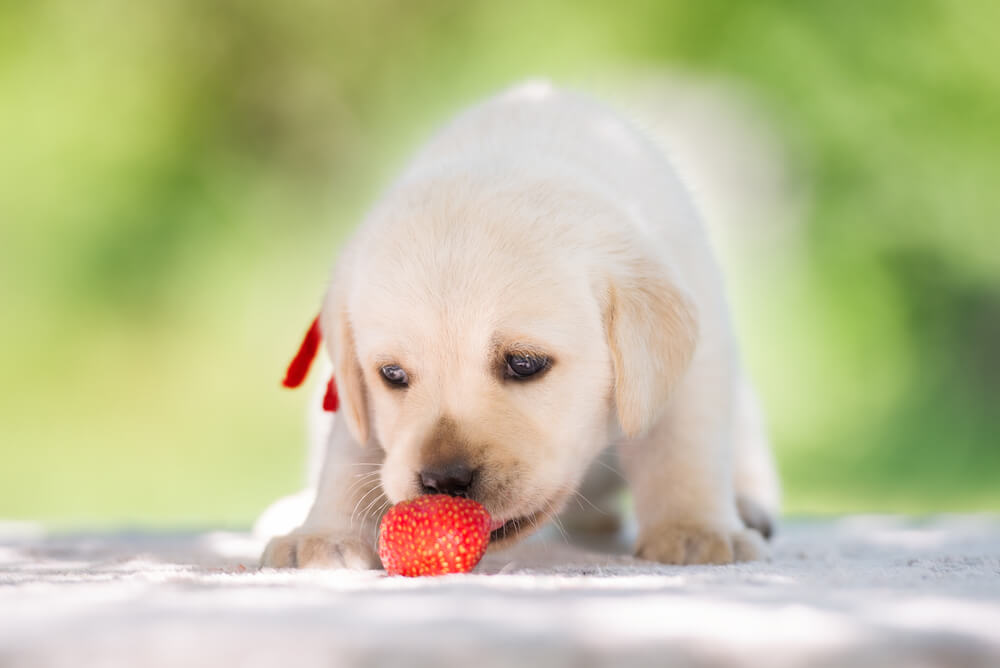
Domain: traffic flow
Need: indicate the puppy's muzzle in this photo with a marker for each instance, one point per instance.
(453, 478)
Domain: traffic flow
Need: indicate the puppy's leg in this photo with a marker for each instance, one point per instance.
(680, 474)
(341, 529)
(758, 492)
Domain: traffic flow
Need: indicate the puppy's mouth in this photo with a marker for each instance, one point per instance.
(503, 531)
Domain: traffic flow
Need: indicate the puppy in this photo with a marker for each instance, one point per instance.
(535, 289)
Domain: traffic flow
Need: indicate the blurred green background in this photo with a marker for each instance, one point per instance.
(176, 176)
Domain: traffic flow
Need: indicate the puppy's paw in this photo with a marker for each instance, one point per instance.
(685, 544)
(319, 550)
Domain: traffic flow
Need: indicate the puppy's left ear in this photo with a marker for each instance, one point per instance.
(336, 325)
(652, 330)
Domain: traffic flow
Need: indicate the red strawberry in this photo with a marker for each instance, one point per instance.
(433, 535)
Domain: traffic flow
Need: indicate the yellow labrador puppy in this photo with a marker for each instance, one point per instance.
(535, 289)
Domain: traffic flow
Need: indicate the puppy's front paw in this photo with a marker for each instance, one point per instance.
(679, 544)
(319, 550)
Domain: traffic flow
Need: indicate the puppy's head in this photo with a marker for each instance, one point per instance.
(492, 340)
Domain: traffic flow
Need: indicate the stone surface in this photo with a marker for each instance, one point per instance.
(859, 591)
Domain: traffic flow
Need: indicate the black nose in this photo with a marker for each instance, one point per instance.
(452, 479)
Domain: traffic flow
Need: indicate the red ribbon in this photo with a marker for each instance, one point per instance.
(298, 368)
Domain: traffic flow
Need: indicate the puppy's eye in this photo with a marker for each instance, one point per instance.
(525, 366)
(394, 375)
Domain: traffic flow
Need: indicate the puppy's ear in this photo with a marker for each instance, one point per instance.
(652, 330)
(336, 325)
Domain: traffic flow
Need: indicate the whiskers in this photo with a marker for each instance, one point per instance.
(611, 468)
(553, 512)
(368, 488)
(363, 479)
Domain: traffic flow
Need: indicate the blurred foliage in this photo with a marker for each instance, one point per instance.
(176, 176)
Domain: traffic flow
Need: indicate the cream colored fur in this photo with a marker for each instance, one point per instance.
(539, 221)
